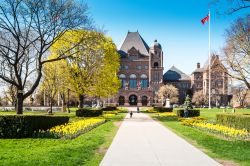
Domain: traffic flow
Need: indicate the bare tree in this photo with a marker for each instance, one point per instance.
(237, 50)
(240, 94)
(199, 98)
(232, 6)
(28, 28)
(168, 91)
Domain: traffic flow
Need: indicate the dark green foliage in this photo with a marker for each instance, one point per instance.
(163, 109)
(191, 113)
(188, 103)
(24, 126)
(238, 121)
(88, 112)
(109, 108)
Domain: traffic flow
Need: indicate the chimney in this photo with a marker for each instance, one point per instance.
(198, 65)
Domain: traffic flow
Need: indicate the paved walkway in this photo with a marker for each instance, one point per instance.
(141, 141)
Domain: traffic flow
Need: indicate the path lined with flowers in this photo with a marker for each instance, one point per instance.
(142, 141)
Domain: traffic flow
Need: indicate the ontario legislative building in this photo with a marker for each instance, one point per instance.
(141, 71)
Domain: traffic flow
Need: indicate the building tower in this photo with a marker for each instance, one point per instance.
(155, 67)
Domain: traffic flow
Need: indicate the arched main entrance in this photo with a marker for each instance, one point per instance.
(144, 100)
(121, 100)
(133, 100)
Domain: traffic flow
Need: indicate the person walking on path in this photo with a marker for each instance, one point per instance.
(131, 114)
(138, 110)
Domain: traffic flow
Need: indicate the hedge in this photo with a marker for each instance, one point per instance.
(191, 113)
(110, 112)
(88, 112)
(163, 109)
(24, 126)
(238, 121)
(109, 108)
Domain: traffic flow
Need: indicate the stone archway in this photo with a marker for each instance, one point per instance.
(144, 100)
(133, 100)
(121, 100)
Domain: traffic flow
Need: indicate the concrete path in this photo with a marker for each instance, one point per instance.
(141, 141)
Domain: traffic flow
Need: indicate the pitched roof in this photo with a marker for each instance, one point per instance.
(198, 70)
(174, 74)
(213, 58)
(134, 39)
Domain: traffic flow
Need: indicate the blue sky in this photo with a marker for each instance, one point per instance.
(175, 24)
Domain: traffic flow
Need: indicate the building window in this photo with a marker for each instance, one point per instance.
(139, 67)
(132, 81)
(123, 80)
(144, 81)
(146, 67)
(126, 67)
(156, 64)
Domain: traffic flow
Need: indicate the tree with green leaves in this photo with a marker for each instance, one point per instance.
(55, 80)
(188, 103)
(93, 68)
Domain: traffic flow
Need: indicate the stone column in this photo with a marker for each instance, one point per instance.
(126, 100)
(139, 101)
(149, 101)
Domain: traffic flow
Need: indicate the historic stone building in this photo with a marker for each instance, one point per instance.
(141, 71)
(180, 80)
(219, 81)
(141, 75)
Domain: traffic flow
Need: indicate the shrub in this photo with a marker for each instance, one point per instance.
(238, 121)
(191, 113)
(23, 126)
(109, 108)
(88, 112)
(163, 109)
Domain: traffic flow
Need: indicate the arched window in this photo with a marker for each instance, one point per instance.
(123, 80)
(143, 76)
(133, 76)
(156, 64)
(132, 81)
(121, 76)
(144, 81)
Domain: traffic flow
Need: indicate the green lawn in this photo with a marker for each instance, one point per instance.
(87, 149)
(220, 149)
(210, 114)
(237, 151)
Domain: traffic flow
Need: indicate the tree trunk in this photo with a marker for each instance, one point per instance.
(81, 99)
(63, 106)
(19, 103)
(50, 104)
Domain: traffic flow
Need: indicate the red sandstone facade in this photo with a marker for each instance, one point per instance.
(141, 71)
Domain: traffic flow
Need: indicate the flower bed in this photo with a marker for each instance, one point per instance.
(72, 129)
(216, 128)
(167, 116)
(108, 116)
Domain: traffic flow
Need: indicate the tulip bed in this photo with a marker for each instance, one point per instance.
(227, 145)
(72, 129)
(217, 129)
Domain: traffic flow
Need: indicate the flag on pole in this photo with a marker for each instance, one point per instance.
(205, 19)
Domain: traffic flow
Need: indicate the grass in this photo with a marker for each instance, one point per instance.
(87, 149)
(221, 149)
(218, 148)
(210, 114)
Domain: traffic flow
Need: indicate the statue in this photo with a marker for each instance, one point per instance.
(167, 105)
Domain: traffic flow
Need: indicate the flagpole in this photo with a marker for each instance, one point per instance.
(209, 60)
